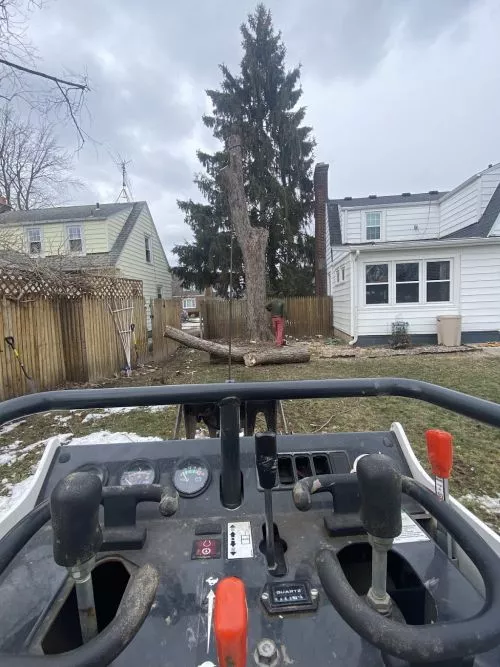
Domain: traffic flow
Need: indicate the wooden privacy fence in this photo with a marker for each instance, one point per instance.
(164, 311)
(74, 340)
(305, 316)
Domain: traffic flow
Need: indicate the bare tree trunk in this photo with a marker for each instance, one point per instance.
(287, 355)
(252, 241)
(204, 345)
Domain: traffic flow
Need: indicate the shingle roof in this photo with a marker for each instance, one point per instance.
(384, 200)
(483, 226)
(334, 223)
(122, 237)
(63, 213)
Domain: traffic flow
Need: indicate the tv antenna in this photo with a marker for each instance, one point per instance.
(126, 191)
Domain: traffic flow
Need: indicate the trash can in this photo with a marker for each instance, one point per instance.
(449, 330)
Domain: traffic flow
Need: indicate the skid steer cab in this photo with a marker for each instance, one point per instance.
(301, 549)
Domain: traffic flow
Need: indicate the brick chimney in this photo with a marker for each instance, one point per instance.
(320, 203)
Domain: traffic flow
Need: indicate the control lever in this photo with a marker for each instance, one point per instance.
(77, 537)
(266, 460)
(380, 492)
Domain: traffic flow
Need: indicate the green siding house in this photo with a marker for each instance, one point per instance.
(116, 238)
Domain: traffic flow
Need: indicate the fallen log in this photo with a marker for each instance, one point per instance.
(280, 355)
(215, 349)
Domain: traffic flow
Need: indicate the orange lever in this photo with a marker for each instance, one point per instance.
(440, 451)
(231, 622)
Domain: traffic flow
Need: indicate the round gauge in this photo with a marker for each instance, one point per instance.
(191, 477)
(100, 471)
(138, 472)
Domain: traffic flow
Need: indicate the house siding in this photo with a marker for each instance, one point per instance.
(480, 288)
(489, 182)
(54, 237)
(475, 293)
(341, 293)
(132, 260)
(398, 222)
(460, 208)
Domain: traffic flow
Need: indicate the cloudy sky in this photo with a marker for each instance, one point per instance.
(403, 95)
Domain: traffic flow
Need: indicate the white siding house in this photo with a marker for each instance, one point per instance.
(414, 257)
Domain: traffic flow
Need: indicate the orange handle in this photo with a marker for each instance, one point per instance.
(440, 452)
(231, 622)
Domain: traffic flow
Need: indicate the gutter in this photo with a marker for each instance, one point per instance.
(429, 243)
(354, 292)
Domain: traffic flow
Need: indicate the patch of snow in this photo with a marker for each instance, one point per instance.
(7, 428)
(487, 503)
(62, 420)
(15, 492)
(7, 459)
(95, 416)
(108, 438)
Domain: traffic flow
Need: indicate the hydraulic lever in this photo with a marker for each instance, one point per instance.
(266, 460)
(77, 537)
(380, 491)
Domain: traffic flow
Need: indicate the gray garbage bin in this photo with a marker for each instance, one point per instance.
(449, 330)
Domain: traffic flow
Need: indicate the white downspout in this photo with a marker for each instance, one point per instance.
(354, 299)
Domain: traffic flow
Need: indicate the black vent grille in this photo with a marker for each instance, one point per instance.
(296, 466)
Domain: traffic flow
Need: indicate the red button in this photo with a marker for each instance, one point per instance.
(206, 549)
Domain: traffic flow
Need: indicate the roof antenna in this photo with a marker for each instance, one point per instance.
(126, 191)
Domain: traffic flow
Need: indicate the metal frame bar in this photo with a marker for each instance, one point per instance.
(470, 406)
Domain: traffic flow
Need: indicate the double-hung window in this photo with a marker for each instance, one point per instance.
(75, 241)
(438, 281)
(373, 226)
(35, 241)
(407, 282)
(422, 282)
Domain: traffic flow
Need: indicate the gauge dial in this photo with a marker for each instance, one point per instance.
(191, 477)
(100, 471)
(138, 472)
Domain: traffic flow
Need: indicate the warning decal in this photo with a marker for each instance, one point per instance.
(411, 531)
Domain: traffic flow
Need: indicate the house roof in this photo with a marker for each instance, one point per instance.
(63, 214)
(385, 200)
(484, 225)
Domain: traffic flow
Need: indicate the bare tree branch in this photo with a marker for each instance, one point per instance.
(56, 79)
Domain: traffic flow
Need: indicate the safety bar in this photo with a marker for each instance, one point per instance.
(470, 406)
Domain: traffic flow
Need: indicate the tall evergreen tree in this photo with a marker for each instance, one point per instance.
(261, 106)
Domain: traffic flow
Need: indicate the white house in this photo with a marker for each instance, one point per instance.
(413, 257)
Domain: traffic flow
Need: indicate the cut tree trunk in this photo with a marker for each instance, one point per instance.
(286, 355)
(204, 345)
(252, 241)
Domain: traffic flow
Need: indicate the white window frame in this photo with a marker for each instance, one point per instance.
(188, 300)
(388, 283)
(453, 280)
(68, 237)
(29, 241)
(148, 248)
(380, 226)
(342, 273)
(159, 291)
(407, 282)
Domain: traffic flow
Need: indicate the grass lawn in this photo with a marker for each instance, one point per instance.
(477, 447)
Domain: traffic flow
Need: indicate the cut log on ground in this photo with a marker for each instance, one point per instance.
(205, 345)
(280, 355)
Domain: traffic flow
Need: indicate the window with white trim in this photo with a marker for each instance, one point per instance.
(75, 242)
(147, 248)
(373, 225)
(407, 282)
(437, 277)
(377, 283)
(35, 241)
(337, 275)
(188, 303)
(159, 291)
(342, 273)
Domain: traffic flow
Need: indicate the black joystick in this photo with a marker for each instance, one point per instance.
(380, 491)
(77, 537)
(266, 460)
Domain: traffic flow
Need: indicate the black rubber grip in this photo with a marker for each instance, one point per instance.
(380, 492)
(266, 459)
(423, 643)
(74, 508)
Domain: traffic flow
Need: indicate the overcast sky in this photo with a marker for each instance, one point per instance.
(403, 95)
